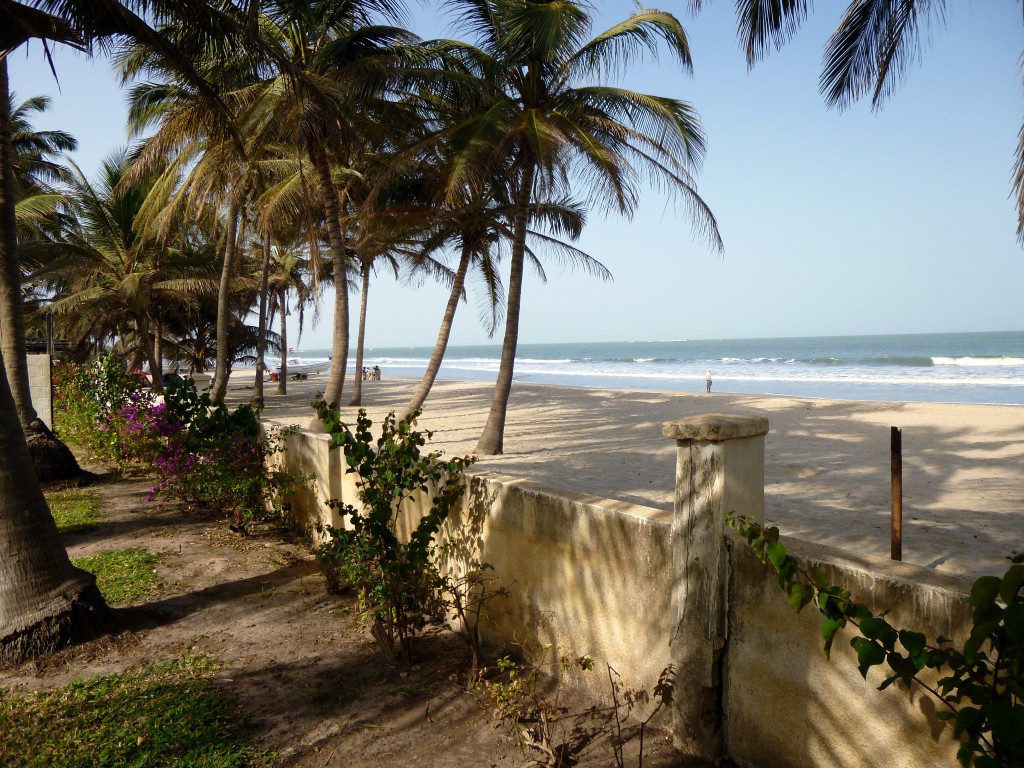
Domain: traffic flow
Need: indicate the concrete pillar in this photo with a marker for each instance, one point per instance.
(719, 469)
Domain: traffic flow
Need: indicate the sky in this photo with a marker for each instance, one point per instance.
(898, 220)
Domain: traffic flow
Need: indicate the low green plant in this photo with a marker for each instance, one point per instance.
(123, 575)
(397, 581)
(467, 596)
(95, 406)
(74, 510)
(155, 716)
(217, 457)
(981, 684)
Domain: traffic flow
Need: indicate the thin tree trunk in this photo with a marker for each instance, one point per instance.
(434, 365)
(46, 603)
(492, 438)
(12, 318)
(282, 380)
(156, 367)
(332, 209)
(256, 401)
(222, 371)
(357, 378)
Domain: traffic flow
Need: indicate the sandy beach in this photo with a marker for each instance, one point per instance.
(827, 464)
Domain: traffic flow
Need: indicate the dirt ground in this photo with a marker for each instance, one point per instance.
(296, 658)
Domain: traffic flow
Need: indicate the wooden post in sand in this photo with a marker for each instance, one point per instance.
(719, 469)
(896, 514)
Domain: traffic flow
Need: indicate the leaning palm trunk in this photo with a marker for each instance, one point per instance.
(282, 379)
(50, 457)
(45, 602)
(357, 377)
(493, 437)
(223, 370)
(332, 209)
(12, 319)
(256, 401)
(434, 365)
(158, 354)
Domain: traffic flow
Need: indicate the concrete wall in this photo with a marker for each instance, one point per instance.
(593, 576)
(39, 386)
(786, 705)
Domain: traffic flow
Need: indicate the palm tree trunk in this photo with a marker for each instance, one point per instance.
(158, 353)
(222, 371)
(282, 380)
(492, 439)
(332, 209)
(256, 401)
(12, 318)
(51, 458)
(434, 365)
(45, 601)
(357, 378)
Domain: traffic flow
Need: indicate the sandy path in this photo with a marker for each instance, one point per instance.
(826, 462)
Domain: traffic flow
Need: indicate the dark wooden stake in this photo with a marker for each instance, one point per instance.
(896, 527)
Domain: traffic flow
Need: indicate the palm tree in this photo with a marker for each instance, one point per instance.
(342, 62)
(869, 53)
(533, 113)
(288, 274)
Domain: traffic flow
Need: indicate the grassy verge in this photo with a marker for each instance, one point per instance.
(123, 575)
(75, 511)
(153, 716)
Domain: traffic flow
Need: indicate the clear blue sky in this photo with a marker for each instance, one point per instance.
(897, 221)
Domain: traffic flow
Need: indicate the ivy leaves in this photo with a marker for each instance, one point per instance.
(983, 685)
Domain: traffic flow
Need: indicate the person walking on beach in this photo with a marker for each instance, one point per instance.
(707, 377)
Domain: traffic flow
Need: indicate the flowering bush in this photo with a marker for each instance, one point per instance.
(103, 409)
(217, 457)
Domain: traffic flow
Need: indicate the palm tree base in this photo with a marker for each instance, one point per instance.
(72, 618)
(51, 458)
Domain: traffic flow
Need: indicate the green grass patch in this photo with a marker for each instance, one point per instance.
(152, 716)
(123, 575)
(75, 511)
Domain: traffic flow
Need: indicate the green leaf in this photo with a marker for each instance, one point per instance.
(800, 595)
(1013, 620)
(967, 717)
(1011, 583)
(869, 654)
(985, 591)
(879, 629)
(914, 642)
(776, 553)
(828, 631)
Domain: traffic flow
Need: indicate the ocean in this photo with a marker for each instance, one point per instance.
(953, 367)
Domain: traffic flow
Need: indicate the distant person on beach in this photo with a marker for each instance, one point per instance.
(707, 376)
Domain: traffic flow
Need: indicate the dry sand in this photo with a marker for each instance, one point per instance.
(827, 464)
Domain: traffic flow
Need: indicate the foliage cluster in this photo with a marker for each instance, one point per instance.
(103, 408)
(75, 510)
(123, 575)
(980, 685)
(202, 454)
(397, 581)
(167, 715)
(217, 457)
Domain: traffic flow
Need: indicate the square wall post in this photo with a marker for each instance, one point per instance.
(719, 469)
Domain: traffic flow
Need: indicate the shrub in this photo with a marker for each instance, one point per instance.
(397, 582)
(217, 457)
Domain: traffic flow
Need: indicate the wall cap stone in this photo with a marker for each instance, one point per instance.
(715, 427)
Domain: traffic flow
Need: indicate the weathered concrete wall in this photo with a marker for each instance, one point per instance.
(585, 576)
(39, 386)
(592, 576)
(786, 705)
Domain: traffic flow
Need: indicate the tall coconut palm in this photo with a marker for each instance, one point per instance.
(543, 109)
(289, 274)
(346, 56)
